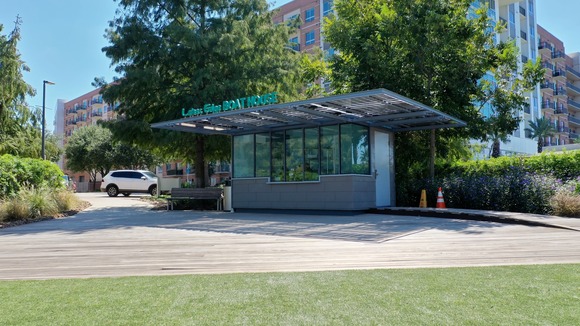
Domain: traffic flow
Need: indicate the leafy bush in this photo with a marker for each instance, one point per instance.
(16, 173)
(513, 190)
(564, 166)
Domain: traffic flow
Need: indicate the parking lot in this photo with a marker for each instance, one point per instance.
(122, 236)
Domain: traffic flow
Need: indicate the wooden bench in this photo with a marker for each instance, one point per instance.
(195, 193)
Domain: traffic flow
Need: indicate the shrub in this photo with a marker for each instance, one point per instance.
(16, 173)
(15, 209)
(37, 202)
(66, 200)
(566, 203)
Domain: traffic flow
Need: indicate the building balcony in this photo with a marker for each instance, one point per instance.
(548, 66)
(572, 89)
(574, 136)
(547, 86)
(81, 109)
(561, 111)
(573, 120)
(560, 93)
(545, 48)
(559, 74)
(573, 105)
(572, 74)
(548, 106)
(562, 130)
(558, 56)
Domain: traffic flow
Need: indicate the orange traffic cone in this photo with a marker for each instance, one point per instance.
(423, 202)
(440, 200)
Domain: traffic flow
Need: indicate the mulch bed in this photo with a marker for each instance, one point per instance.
(82, 206)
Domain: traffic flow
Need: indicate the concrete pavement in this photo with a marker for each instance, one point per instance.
(124, 237)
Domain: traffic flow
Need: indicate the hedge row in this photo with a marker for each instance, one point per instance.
(564, 166)
(17, 172)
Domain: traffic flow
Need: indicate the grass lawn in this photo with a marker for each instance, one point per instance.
(514, 295)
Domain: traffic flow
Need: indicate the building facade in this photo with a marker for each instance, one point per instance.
(573, 92)
(554, 92)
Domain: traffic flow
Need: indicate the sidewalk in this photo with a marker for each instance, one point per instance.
(487, 216)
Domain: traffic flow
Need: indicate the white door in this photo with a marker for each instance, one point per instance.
(382, 153)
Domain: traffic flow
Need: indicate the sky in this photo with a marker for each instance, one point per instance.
(61, 41)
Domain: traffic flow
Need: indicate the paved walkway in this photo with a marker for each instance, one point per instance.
(123, 237)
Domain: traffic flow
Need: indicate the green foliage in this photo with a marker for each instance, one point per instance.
(184, 54)
(20, 125)
(563, 166)
(540, 129)
(94, 150)
(16, 173)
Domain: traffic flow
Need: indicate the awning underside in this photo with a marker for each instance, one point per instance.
(376, 108)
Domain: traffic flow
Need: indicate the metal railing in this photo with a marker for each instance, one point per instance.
(545, 45)
(573, 71)
(558, 54)
(574, 104)
(574, 119)
(572, 86)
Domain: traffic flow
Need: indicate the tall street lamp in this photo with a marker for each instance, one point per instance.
(44, 82)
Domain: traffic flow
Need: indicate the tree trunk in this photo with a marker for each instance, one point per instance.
(200, 165)
(540, 145)
(432, 156)
(495, 152)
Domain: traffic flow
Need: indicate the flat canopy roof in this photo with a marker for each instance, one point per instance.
(378, 108)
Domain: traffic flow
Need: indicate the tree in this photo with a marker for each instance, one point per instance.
(90, 149)
(175, 54)
(93, 149)
(540, 129)
(427, 50)
(505, 94)
(19, 124)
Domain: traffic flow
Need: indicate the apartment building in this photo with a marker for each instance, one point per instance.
(554, 87)
(518, 16)
(573, 92)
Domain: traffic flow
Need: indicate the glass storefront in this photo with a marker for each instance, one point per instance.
(303, 154)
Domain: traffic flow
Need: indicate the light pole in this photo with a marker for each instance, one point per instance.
(44, 82)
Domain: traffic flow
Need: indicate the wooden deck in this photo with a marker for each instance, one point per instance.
(124, 237)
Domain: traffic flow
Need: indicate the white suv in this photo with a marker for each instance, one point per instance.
(129, 181)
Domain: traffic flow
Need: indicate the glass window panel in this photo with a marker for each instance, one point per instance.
(309, 15)
(244, 156)
(294, 155)
(263, 155)
(277, 156)
(329, 150)
(354, 143)
(311, 154)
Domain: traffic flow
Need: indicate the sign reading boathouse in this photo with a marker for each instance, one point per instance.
(230, 105)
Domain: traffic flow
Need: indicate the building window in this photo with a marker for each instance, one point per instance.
(311, 154)
(329, 150)
(354, 146)
(309, 15)
(294, 43)
(327, 7)
(310, 38)
(263, 155)
(244, 156)
(294, 155)
(303, 154)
